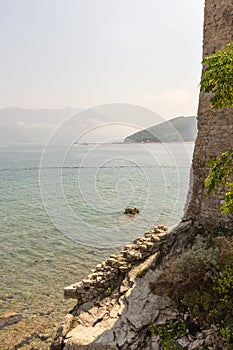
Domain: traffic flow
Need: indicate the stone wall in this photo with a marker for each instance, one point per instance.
(215, 128)
(108, 276)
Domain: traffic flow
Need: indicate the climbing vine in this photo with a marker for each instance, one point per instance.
(221, 174)
(217, 79)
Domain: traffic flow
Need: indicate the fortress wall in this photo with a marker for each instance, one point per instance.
(215, 128)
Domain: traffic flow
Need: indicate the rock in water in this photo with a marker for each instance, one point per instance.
(131, 211)
(9, 318)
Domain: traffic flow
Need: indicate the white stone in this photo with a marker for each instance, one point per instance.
(184, 342)
(196, 345)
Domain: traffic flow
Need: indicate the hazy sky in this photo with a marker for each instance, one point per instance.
(81, 53)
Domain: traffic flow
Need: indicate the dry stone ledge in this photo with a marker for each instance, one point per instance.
(106, 276)
(119, 321)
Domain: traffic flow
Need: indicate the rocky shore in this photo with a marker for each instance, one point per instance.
(116, 308)
(111, 273)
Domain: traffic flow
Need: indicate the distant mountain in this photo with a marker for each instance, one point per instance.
(19, 125)
(106, 123)
(180, 129)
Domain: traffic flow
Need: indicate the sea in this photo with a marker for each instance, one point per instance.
(62, 212)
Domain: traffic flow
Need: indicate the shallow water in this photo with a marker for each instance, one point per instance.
(47, 245)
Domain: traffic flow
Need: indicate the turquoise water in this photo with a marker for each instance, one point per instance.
(46, 245)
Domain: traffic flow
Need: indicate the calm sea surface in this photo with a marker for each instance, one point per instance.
(62, 212)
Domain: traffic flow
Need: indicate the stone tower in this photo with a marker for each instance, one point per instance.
(215, 128)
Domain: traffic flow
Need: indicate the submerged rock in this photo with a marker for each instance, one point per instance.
(9, 318)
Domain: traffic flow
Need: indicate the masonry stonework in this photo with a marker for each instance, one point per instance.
(215, 128)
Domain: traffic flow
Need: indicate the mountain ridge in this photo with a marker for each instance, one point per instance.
(179, 129)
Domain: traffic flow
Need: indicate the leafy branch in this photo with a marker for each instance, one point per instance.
(221, 174)
(217, 77)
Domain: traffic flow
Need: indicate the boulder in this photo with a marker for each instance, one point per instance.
(131, 211)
